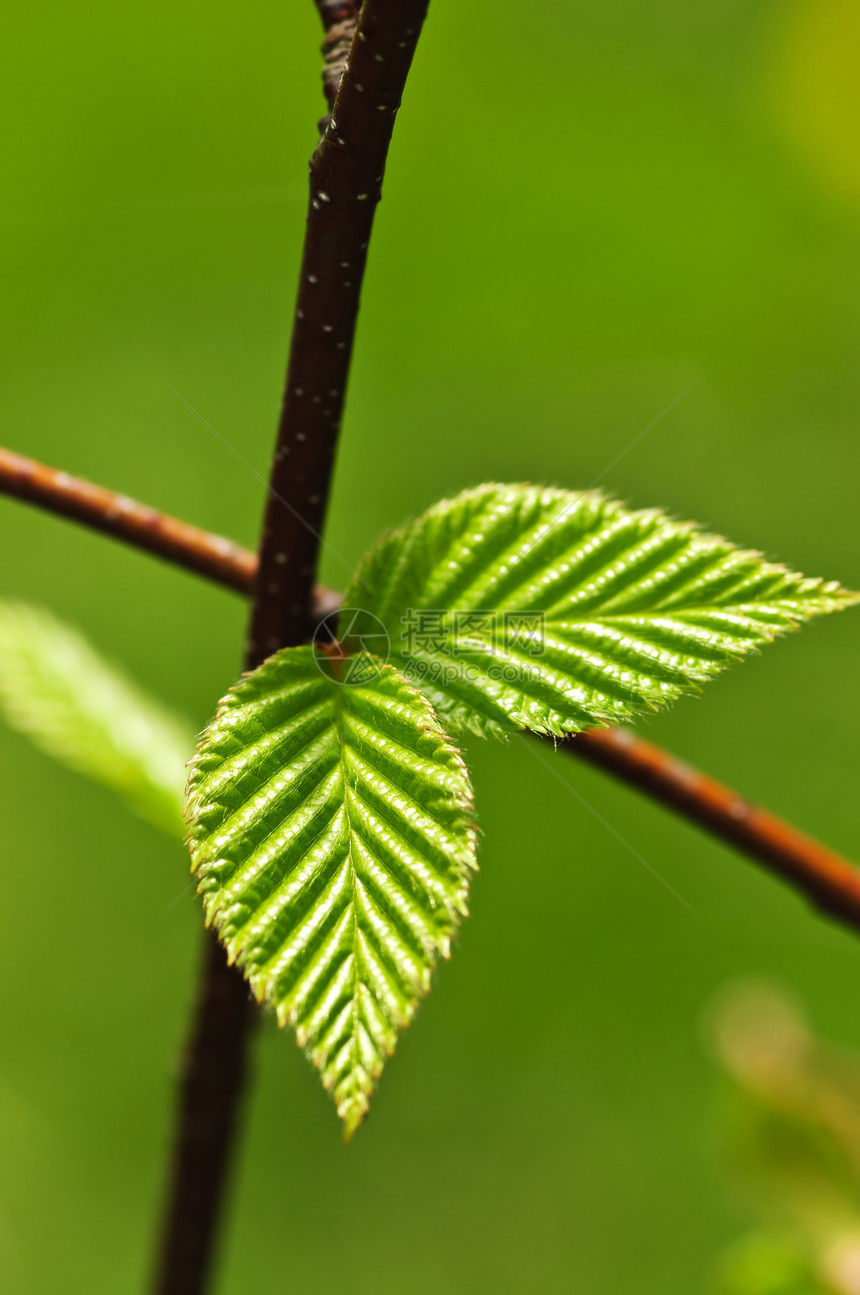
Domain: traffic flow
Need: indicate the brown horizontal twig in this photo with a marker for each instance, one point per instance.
(825, 878)
(123, 518)
(830, 882)
(137, 524)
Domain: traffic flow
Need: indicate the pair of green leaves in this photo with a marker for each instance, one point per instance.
(329, 812)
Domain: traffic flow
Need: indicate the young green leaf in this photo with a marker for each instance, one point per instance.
(516, 607)
(330, 829)
(82, 709)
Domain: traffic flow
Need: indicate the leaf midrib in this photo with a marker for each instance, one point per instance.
(354, 1004)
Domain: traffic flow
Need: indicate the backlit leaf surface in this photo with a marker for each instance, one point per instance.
(330, 829)
(518, 607)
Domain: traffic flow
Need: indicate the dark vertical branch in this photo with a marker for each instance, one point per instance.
(213, 1077)
(345, 185)
(346, 173)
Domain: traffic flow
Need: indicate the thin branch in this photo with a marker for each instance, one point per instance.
(124, 519)
(211, 1084)
(137, 524)
(346, 173)
(825, 878)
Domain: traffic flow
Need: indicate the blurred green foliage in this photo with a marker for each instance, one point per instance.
(77, 706)
(586, 210)
(795, 1144)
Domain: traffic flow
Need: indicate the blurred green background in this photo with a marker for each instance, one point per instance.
(587, 208)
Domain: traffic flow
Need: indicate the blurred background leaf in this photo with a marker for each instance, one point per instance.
(81, 709)
(796, 1147)
(770, 1264)
(586, 209)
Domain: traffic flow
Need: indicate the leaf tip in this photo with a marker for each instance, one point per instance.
(353, 1115)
